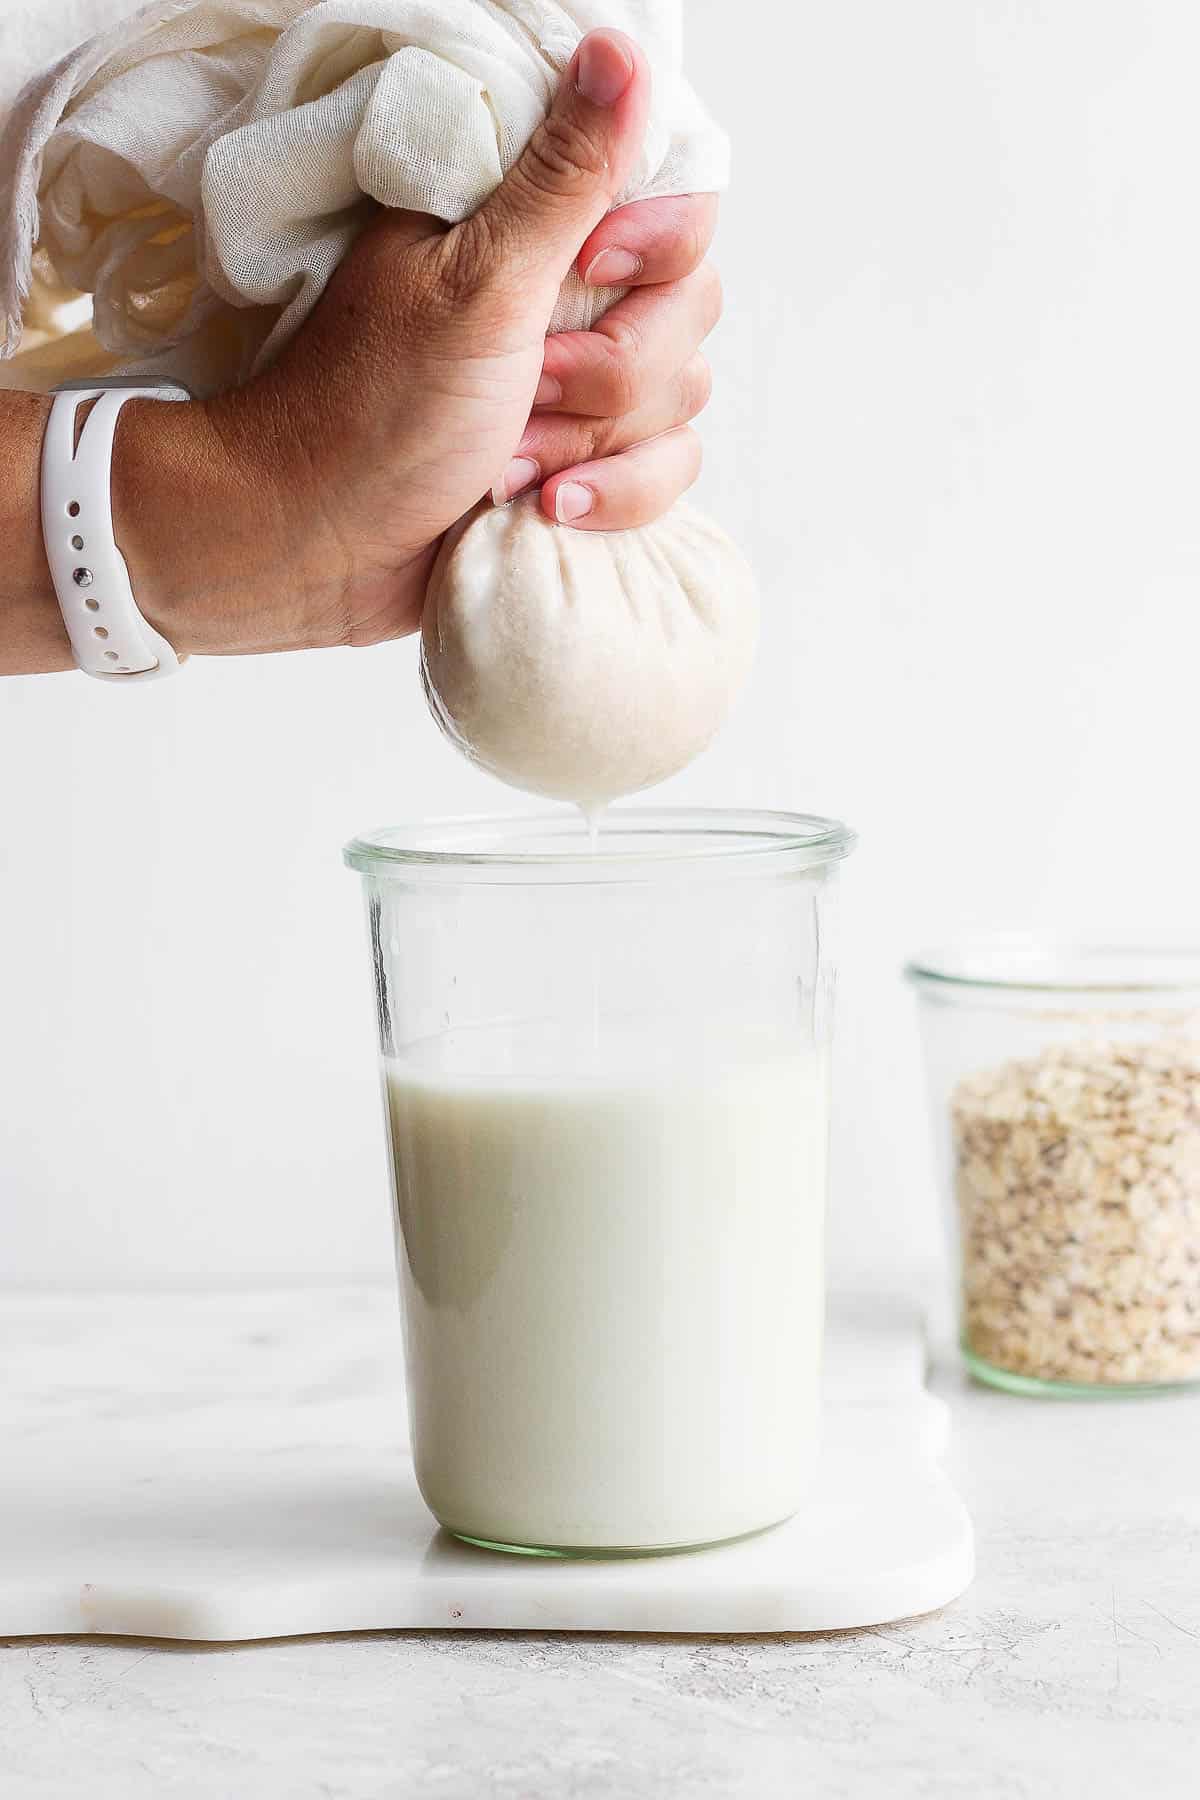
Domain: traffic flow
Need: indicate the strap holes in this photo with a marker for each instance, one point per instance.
(73, 509)
(77, 542)
(112, 655)
(99, 631)
(92, 605)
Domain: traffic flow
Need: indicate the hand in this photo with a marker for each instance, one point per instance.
(424, 379)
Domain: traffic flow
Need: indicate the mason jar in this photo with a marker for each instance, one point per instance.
(605, 1074)
(1064, 1083)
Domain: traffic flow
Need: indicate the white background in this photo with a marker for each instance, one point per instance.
(956, 426)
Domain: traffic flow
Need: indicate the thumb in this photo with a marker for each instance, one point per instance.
(575, 164)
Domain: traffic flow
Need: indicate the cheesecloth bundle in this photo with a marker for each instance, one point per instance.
(583, 665)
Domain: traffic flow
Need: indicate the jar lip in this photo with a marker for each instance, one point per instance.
(1044, 965)
(635, 844)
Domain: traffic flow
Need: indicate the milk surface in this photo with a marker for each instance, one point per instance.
(612, 1275)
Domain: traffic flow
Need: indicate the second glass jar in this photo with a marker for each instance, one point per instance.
(1065, 1086)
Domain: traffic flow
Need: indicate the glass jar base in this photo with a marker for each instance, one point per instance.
(590, 1553)
(1037, 1387)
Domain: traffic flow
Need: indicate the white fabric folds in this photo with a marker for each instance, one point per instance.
(202, 167)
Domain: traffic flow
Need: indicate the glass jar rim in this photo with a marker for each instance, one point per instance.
(1037, 965)
(635, 844)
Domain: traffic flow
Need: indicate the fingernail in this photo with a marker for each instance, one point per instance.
(612, 268)
(573, 501)
(521, 471)
(605, 68)
(549, 392)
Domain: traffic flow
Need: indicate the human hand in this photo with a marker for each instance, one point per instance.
(423, 380)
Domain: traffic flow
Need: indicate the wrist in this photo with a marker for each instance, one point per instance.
(203, 548)
(166, 504)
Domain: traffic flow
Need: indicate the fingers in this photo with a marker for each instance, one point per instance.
(637, 346)
(631, 489)
(556, 441)
(649, 241)
(556, 447)
(577, 160)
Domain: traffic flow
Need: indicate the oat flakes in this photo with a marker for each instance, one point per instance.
(1077, 1175)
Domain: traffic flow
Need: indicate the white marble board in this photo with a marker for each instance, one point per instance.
(225, 1467)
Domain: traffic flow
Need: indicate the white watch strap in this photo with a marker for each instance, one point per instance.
(109, 636)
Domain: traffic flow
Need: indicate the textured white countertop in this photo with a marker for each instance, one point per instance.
(1071, 1667)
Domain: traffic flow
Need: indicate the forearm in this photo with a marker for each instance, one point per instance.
(217, 562)
(33, 639)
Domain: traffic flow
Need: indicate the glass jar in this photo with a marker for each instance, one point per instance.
(1065, 1085)
(605, 1075)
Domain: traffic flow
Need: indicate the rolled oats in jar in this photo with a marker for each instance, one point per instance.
(1066, 1093)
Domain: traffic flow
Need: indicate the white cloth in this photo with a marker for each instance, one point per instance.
(32, 34)
(202, 167)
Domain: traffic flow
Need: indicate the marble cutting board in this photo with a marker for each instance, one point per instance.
(222, 1467)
